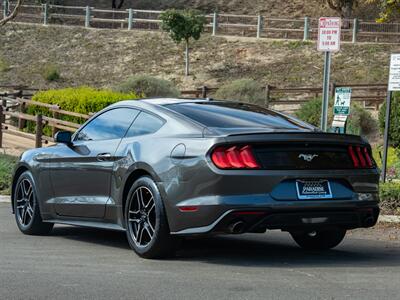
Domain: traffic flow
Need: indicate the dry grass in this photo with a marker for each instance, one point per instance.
(104, 58)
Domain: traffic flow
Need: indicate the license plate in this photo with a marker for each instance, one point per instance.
(313, 189)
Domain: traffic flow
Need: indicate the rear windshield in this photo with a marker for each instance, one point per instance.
(235, 115)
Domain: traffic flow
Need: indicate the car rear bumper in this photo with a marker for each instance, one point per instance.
(287, 216)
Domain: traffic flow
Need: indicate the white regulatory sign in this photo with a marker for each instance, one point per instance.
(329, 34)
(394, 74)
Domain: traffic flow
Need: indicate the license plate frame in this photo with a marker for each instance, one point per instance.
(313, 189)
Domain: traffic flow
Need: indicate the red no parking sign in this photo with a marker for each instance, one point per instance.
(329, 34)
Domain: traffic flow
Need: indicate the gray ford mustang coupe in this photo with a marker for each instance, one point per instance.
(161, 169)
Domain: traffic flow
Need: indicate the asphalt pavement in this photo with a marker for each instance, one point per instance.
(83, 263)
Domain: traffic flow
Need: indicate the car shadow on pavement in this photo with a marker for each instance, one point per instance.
(116, 239)
(279, 251)
(255, 250)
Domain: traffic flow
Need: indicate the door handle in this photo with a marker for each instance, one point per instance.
(103, 156)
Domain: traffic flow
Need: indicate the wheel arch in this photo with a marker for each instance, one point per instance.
(133, 176)
(18, 171)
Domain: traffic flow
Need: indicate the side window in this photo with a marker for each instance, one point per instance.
(144, 124)
(111, 124)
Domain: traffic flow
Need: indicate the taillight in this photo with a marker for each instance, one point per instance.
(234, 157)
(360, 157)
(368, 158)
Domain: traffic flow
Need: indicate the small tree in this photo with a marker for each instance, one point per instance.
(182, 25)
(11, 15)
(389, 9)
(343, 7)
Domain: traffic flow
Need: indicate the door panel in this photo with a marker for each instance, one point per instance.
(81, 173)
(81, 180)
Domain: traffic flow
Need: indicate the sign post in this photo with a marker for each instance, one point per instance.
(394, 85)
(328, 41)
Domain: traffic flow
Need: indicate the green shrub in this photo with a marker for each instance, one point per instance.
(148, 86)
(392, 158)
(4, 66)
(7, 164)
(390, 197)
(51, 73)
(84, 100)
(310, 112)
(394, 129)
(245, 90)
(360, 121)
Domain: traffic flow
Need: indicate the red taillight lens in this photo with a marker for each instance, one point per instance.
(353, 157)
(360, 157)
(234, 157)
(368, 158)
(246, 153)
(219, 158)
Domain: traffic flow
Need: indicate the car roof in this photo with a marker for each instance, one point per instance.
(160, 101)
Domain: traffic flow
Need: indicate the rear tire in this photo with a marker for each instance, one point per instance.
(320, 239)
(26, 207)
(146, 222)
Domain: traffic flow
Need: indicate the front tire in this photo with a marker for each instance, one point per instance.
(320, 239)
(146, 222)
(26, 207)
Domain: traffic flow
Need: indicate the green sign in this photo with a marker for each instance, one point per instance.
(342, 101)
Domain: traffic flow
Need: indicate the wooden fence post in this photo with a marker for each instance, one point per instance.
(39, 131)
(130, 18)
(87, 17)
(54, 129)
(333, 88)
(306, 29)
(259, 25)
(267, 95)
(1, 126)
(21, 121)
(5, 8)
(355, 30)
(204, 90)
(215, 24)
(45, 14)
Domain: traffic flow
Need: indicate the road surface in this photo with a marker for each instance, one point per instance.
(82, 263)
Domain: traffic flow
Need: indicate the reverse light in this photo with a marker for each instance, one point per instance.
(234, 157)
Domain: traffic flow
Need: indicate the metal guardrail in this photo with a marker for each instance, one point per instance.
(354, 30)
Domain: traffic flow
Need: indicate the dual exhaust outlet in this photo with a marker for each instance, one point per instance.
(237, 227)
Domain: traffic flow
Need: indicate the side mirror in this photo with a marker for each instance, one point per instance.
(63, 137)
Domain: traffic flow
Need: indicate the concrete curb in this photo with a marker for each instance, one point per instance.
(5, 199)
(389, 219)
(382, 218)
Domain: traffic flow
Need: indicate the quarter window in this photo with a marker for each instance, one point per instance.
(144, 124)
(111, 124)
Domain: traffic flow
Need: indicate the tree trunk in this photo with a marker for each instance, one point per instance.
(187, 58)
(347, 9)
(346, 14)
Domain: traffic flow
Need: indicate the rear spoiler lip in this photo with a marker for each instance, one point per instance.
(314, 137)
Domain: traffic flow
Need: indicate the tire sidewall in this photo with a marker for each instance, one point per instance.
(161, 227)
(36, 210)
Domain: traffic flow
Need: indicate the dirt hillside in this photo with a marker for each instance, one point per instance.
(105, 57)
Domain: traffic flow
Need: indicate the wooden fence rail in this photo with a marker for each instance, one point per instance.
(14, 112)
(354, 30)
(15, 108)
